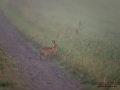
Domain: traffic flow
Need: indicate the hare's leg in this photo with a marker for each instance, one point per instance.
(40, 57)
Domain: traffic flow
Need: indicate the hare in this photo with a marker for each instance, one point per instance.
(49, 51)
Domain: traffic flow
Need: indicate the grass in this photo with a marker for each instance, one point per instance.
(6, 84)
(11, 77)
(86, 58)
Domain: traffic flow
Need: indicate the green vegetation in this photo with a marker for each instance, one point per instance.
(6, 84)
(85, 57)
(10, 76)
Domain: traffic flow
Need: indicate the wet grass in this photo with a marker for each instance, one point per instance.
(86, 58)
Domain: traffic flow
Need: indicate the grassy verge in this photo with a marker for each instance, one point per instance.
(10, 76)
(84, 57)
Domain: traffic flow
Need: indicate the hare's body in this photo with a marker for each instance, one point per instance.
(49, 51)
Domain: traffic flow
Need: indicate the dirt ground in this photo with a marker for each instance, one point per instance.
(41, 74)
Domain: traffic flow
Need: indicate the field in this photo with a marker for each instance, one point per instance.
(88, 35)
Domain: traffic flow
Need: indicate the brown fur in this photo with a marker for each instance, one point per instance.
(49, 51)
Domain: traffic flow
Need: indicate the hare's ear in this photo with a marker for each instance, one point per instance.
(53, 41)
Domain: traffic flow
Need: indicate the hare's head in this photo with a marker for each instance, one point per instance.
(55, 45)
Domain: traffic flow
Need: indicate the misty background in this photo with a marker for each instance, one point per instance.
(96, 15)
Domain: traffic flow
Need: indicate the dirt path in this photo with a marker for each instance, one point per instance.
(42, 75)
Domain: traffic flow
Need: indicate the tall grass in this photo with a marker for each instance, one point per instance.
(86, 58)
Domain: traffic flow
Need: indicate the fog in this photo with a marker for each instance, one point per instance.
(96, 15)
